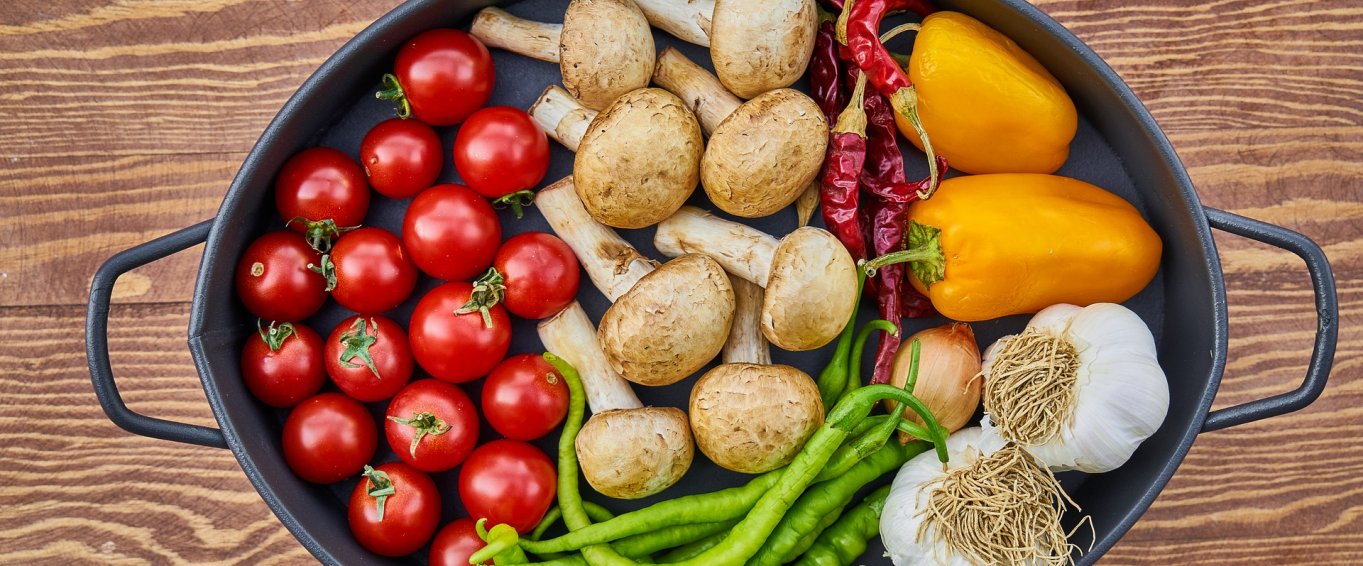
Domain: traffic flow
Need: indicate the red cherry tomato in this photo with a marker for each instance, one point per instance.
(457, 347)
(442, 76)
(508, 481)
(431, 425)
(318, 185)
(373, 272)
(524, 397)
(500, 151)
(540, 273)
(274, 280)
(451, 232)
(401, 157)
(394, 509)
(282, 365)
(329, 438)
(455, 543)
(368, 357)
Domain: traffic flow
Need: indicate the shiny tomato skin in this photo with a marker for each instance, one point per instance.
(274, 281)
(328, 438)
(321, 183)
(390, 352)
(373, 271)
(401, 157)
(455, 543)
(445, 74)
(524, 397)
(508, 481)
(446, 402)
(451, 232)
(410, 515)
(281, 378)
(457, 347)
(500, 150)
(540, 272)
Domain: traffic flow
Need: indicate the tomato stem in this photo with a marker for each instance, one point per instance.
(488, 290)
(517, 201)
(326, 269)
(274, 336)
(392, 90)
(357, 344)
(320, 233)
(379, 486)
(425, 423)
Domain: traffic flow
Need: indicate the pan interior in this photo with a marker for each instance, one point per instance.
(1117, 147)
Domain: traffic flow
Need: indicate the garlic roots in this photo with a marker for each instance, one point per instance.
(1080, 388)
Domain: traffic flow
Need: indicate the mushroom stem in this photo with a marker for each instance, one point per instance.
(687, 20)
(612, 264)
(561, 116)
(741, 250)
(699, 89)
(746, 343)
(571, 336)
(497, 28)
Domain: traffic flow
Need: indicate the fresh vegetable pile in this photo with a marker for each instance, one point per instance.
(1079, 389)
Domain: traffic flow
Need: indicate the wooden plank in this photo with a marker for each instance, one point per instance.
(153, 77)
(80, 488)
(65, 216)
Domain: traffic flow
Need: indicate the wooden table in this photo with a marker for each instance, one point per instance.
(122, 121)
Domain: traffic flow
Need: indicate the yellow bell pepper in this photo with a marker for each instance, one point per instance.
(988, 246)
(987, 105)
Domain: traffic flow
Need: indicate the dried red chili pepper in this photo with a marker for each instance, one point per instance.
(858, 28)
(840, 194)
(825, 68)
(920, 7)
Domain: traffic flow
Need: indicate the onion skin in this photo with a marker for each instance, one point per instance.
(948, 374)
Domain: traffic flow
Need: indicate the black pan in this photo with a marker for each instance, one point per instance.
(1118, 147)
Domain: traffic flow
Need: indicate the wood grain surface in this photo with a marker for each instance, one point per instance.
(123, 120)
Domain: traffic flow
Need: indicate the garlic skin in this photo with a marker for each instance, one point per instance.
(903, 513)
(1123, 395)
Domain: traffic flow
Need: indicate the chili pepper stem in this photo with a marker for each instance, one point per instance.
(905, 102)
(842, 21)
(859, 346)
(853, 118)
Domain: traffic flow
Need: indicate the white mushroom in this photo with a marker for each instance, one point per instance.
(762, 153)
(604, 47)
(810, 279)
(637, 161)
(627, 451)
(756, 45)
(665, 323)
(748, 415)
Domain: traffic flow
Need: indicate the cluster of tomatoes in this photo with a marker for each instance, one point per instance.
(459, 331)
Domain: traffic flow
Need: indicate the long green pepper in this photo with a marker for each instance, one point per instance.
(845, 541)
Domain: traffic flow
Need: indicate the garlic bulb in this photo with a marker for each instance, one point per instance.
(993, 504)
(903, 515)
(1080, 388)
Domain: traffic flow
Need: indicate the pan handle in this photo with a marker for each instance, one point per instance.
(1327, 317)
(97, 340)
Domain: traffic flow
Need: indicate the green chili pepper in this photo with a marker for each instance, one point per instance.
(845, 541)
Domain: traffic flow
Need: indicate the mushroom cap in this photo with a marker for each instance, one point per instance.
(671, 323)
(762, 45)
(639, 160)
(633, 453)
(762, 156)
(605, 50)
(754, 418)
(811, 292)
